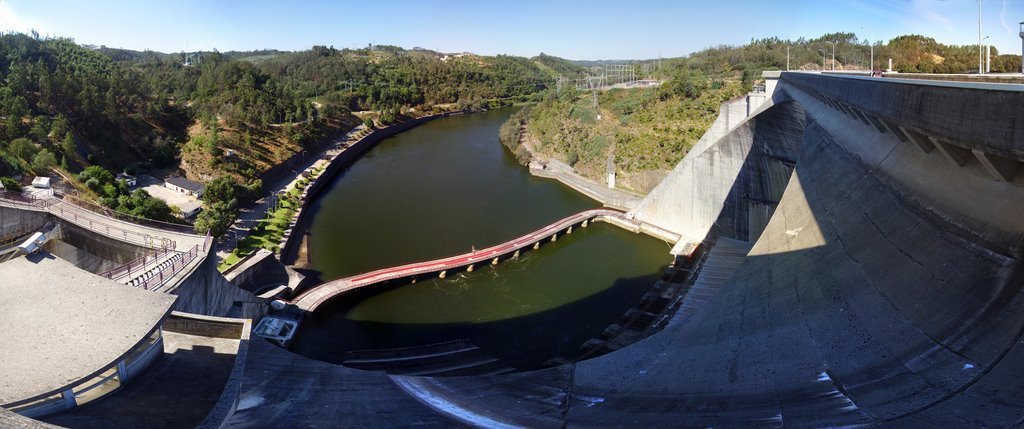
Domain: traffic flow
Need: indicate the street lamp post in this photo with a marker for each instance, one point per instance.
(872, 44)
(988, 55)
(981, 53)
(834, 54)
(833, 42)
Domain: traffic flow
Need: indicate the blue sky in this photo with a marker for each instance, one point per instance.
(598, 29)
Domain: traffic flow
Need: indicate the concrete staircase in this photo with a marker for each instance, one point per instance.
(447, 359)
(723, 260)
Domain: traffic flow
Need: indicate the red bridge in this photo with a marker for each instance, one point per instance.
(319, 294)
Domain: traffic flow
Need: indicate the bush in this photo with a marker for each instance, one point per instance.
(10, 184)
(43, 161)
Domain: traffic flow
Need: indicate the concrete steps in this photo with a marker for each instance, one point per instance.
(157, 266)
(722, 261)
(448, 359)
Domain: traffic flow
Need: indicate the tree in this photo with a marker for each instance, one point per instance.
(43, 161)
(223, 189)
(95, 177)
(215, 219)
(10, 184)
(68, 144)
(368, 122)
(23, 148)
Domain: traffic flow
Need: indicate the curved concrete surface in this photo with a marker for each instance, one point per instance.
(882, 288)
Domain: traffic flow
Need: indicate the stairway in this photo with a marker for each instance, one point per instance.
(447, 359)
(723, 260)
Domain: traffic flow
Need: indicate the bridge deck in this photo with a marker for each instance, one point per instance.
(312, 298)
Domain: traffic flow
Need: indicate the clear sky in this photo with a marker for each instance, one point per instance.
(594, 29)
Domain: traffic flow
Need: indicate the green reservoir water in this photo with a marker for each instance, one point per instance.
(438, 190)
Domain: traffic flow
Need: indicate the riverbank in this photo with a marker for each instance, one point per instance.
(291, 247)
(562, 172)
(288, 196)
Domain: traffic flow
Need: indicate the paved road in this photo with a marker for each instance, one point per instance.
(312, 298)
(250, 216)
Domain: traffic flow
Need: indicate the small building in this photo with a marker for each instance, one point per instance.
(128, 179)
(41, 182)
(189, 209)
(182, 185)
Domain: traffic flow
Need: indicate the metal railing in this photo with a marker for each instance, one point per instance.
(29, 200)
(139, 264)
(121, 217)
(85, 220)
(161, 276)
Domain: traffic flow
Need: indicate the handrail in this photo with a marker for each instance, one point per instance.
(177, 265)
(115, 215)
(418, 268)
(138, 263)
(110, 230)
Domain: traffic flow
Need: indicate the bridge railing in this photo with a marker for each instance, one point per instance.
(25, 200)
(87, 221)
(425, 267)
(121, 217)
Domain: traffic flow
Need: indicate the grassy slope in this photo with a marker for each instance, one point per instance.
(650, 135)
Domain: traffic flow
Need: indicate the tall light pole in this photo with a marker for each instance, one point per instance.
(988, 55)
(872, 36)
(787, 55)
(981, 53)
(834, 54)
(1022, 47)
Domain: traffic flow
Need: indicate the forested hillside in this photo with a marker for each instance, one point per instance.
(65, 105)
(910, 54)
(145, 110)
(647, 131)
(210, 115)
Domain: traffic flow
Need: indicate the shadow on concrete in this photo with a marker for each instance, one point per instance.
(177, 391)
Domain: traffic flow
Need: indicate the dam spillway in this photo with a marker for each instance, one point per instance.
(882, 285)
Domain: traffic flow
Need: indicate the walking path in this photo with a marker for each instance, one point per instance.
(250, 216)
(562, 172)
(312, 298)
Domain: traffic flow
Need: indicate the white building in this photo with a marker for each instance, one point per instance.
(182, 185)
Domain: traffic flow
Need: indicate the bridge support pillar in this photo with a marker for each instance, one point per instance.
(515, 255)
(569, 231)
(585, 223)
(413, 279)
(470, 268)
(554, 237)
(494, 261)
(443, 274)
(536, 245)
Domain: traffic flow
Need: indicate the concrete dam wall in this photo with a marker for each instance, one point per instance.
(883, 285)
